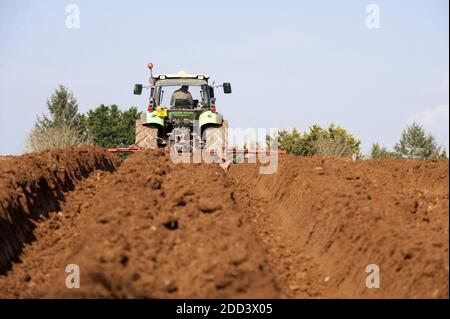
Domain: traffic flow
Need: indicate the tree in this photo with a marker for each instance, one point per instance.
(379, 151)
(61, 128)
(291, 142)
(285, 140)
(111, 127)
(63, 108)
(416, 144)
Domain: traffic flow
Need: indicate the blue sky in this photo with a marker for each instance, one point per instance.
(291, 63)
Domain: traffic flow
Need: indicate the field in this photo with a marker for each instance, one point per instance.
(146, 227)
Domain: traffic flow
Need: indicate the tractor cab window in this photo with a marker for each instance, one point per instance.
(182, 96)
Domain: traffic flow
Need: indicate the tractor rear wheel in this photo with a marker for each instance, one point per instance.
(216, 138)
(146, 136)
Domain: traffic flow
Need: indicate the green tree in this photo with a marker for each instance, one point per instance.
(63, 110)
(310, 138)
(379, 151)
(285, 140)
(61, 128)
(415, 143)
(111, 127)
(291, 141)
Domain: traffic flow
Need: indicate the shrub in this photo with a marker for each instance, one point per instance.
(54, 137)
(332, 141)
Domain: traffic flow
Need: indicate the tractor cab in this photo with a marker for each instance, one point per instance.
(166, 91)
(182, 91)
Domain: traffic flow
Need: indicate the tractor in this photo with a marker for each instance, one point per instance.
(181, 122)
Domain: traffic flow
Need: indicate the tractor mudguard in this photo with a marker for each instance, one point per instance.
(152, 118)
(209, 117)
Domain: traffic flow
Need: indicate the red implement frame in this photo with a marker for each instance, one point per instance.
(131, 149)
(247, 151)
(134, 149)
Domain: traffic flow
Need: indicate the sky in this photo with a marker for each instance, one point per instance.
(290, 63)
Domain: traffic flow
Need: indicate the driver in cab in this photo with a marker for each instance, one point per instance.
(182, 97)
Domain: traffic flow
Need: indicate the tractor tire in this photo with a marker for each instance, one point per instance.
(146, 136)
(216, 138)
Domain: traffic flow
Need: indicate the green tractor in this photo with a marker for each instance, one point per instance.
(182, 114)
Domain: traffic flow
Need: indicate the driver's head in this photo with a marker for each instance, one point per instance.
(185, 88)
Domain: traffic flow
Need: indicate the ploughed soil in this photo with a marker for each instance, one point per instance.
(147, 227)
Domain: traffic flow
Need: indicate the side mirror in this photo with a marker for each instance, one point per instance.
(227, 88)
(137, 89)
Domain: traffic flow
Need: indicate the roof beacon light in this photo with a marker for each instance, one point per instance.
(150, 66)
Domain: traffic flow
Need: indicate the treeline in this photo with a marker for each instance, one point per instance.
(64, 126)
(108, 126)
(414, 143)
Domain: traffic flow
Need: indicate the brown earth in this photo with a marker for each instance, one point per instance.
(153, 228)
(33, 185)
(324, 220)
